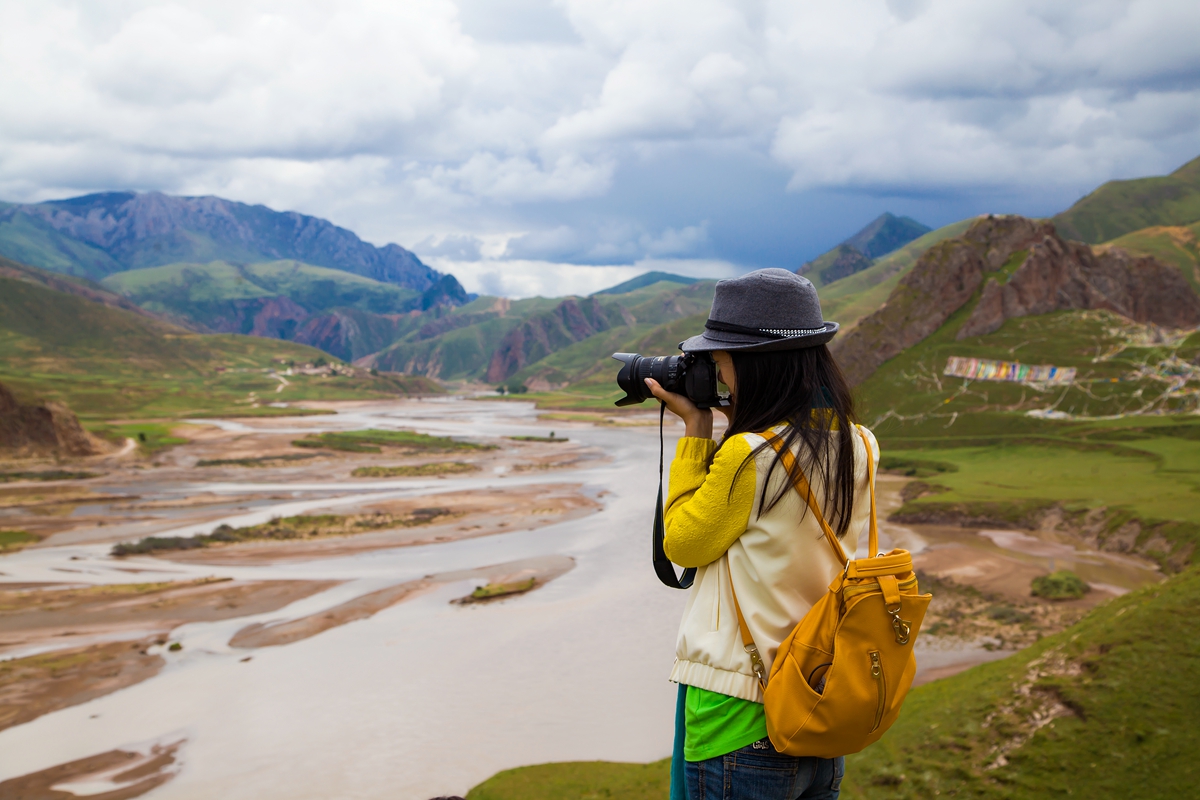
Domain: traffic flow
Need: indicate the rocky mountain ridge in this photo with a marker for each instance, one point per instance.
(884, 234)
(1059, 275)
(1054, 275)
(99, 234)
(573, 320)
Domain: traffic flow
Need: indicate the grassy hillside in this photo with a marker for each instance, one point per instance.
(1106, 705)
(461, 344)
(1120, 207)
(596, 388)
(646, 279)
(1172, 245)
(24, 241)
(579, 780)
(1122, 437)
(1105, 709)
(105, 362)
(203, 292)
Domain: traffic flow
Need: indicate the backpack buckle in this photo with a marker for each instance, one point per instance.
(756, 663)
(902, 627)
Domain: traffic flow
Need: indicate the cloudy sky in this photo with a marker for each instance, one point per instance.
(553, 146)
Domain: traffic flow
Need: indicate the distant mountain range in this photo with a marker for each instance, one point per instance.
(883, 235)
(101, 234)
(434, 329)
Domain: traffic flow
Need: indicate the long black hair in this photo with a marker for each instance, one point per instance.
(806, 389)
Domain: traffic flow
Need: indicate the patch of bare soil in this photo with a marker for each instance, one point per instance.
(564, 457)
(145, 612)
(462, 515)
(539, 571)
(30, 687)
(1007, 622)
(62, 616)
(129, 773)
(993, 574)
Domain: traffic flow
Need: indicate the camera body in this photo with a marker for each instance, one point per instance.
(693, 375)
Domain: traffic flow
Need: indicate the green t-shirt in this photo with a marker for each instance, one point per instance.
(716, 724)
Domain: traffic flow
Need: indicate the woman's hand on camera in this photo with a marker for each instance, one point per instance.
(698, 422)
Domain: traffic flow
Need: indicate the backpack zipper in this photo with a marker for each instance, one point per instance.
(877, 674)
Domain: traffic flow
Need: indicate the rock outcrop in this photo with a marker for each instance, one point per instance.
(1054, 275)
(49, 429)
(1058, 275)
(940, 283)
(570, 321)
(351, 334)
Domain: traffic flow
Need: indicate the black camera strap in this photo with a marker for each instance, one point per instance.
(662, 565)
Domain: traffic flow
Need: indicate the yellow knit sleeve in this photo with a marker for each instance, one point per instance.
(703, 517)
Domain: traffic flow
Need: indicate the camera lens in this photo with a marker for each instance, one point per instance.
(632, 377)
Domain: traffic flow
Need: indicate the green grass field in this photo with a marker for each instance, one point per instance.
(1125, 436)
(373, 441)
(579, 780)
(110, 363)
(1105, 709)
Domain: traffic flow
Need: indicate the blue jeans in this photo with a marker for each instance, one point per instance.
(758, 772)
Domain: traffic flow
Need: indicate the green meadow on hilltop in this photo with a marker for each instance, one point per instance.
(1172, 245)
(1120, 207)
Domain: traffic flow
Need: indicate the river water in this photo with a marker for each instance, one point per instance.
(424, 698)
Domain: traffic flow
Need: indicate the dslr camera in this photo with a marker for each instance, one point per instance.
(693, 375)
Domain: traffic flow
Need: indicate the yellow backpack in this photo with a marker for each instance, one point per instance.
(840, 676)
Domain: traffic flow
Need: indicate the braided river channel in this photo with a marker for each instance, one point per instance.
(424, 696)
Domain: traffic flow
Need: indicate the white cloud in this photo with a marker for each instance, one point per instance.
(517, 278)
(512, 121)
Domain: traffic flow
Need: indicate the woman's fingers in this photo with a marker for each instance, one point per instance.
(676, 403)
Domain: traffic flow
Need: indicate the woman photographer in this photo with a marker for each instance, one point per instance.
(733, 514)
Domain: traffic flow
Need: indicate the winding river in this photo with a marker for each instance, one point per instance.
(424, 698)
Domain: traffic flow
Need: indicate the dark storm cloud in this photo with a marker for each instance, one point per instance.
(547, 134)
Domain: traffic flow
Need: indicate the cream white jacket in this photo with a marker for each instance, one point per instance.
(780, 562)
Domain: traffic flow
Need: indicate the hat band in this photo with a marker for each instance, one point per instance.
(770, 333)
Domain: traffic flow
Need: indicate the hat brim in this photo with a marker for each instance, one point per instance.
(712, 340)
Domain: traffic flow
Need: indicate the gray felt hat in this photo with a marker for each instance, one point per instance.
(770, 309)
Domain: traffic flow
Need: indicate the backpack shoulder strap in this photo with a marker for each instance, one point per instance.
(873, 536)
(804, 490)
(756, 662)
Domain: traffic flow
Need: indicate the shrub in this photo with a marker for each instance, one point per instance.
(1060, 585)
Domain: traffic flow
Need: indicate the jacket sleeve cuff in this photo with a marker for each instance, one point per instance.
(693, 448)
